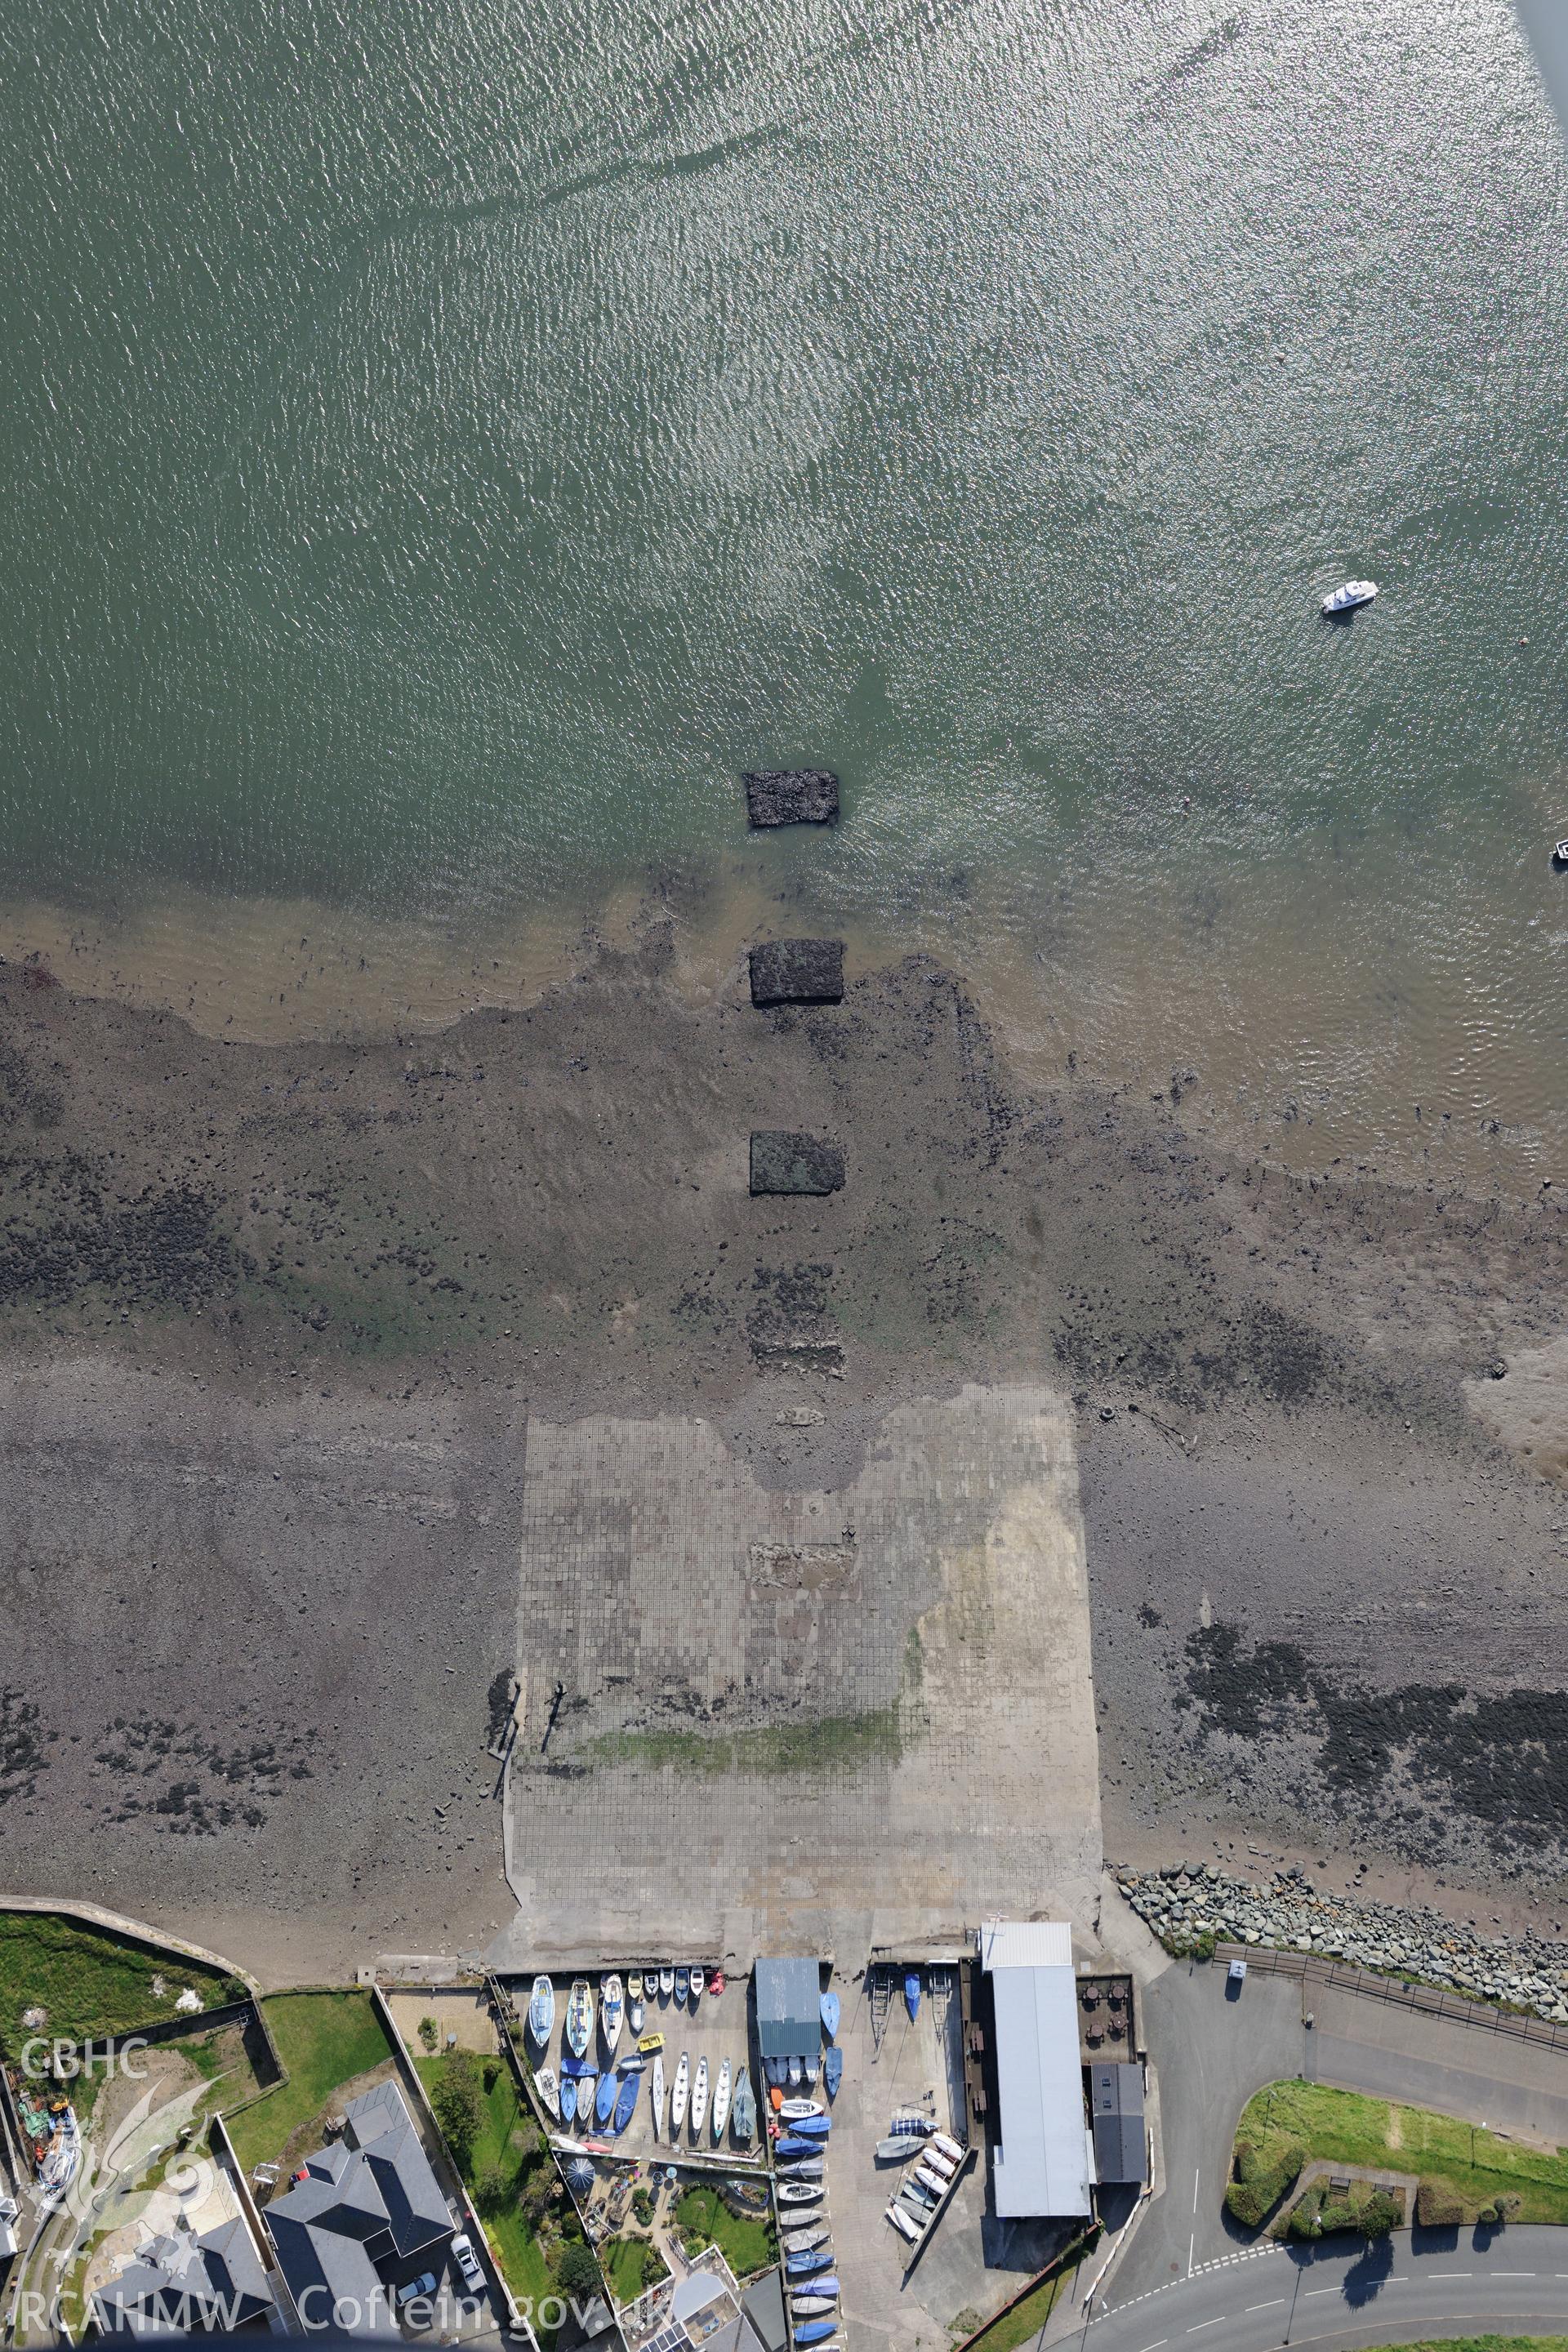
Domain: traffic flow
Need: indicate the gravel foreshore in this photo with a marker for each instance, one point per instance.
(1191, 1905)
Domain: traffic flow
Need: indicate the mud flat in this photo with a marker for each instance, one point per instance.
(280, 1322)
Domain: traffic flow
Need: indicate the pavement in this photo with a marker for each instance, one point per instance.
(1212, 2051)
(796, 1719)
(1416, 2284)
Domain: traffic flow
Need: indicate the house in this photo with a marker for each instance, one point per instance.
(789, 2009)
(362, 2219)
(181, 2285)
(1043, 2167)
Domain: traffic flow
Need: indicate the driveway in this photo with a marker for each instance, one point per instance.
(1418, 2284)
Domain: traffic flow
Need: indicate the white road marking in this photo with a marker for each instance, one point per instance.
(1323, 2290)
(1156, 2347)
(1513, 2274)
(1202, 2324)
(1436, 2274)
(1279, 2299)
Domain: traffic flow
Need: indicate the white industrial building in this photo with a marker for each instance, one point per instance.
(1045, 2163)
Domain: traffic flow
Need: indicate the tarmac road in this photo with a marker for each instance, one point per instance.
(1418, 2284)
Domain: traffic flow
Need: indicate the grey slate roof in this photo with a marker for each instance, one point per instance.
(1120, 2144)
(181, 2285)
(367, 2217)
(789, 2008)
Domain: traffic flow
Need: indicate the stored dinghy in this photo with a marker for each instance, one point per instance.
(659, 2096)
(699, 2097)
(605, 2096)
(549, 2090)
(580, 2017)
(678, 2096)
(541, 2009)
(799, 2192)
(613, 2008)
(745, 2110)
(722, 2101)
(794, 2108)
(832, 2072)
(829, 2005)
(568, 2100)
(627, 2103)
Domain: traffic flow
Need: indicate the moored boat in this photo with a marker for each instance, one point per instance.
(722, 2101)
(541, 2009)
(744, 2109)
(678, 2096)
(612, 2009)
(699, 2097)
(657, 2094)
(1353, 593)
(580, 2017)
(549, 2090)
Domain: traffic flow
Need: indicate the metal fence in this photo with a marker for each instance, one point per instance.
(1398, 1991)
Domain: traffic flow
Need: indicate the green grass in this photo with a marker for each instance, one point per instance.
(704, 2219)
(631, 2264)
(324, 2040)
(1025, 2318)
(510, 2142)
(838, 1740)
(88, 1980)
(1472, 2164)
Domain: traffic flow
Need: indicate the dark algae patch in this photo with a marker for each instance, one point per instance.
(1430, 1749)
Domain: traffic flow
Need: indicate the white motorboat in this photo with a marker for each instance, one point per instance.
(665, 1983)
(694, 1979)
(580, 2016)
(699, 2097)
(722, 2101)
(634, 2016)
(541, 2009)
(612, 2009)
(549, 2090)
(659, 2096)
(1353, 593)
(678, 2096)
(634, 1985)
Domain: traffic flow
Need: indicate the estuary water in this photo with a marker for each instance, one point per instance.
(444, 443)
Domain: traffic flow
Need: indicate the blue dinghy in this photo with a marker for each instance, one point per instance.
(913, 1993)
(797, 2144)
(832, 2072)
(816, 2331)
(627, 2102)
(802, 2265)
(568, 2100)
(811, 2126)
(609, 2089)
(830, 2014)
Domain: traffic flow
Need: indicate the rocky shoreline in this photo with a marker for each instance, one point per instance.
(1191, 1906)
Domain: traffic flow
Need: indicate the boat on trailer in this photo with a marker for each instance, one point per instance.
(612, 2011)
(541, 2009)
(580, 2017)
(665, 1983)
(694, 1983)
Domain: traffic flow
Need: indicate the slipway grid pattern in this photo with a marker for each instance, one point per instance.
(674, 1597)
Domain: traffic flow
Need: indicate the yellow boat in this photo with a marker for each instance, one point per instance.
(651, 2042)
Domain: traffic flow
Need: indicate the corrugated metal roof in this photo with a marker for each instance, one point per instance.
(1025, 1944)
(1042, 2166)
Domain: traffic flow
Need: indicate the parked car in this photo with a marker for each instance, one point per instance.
(424, 2285)
(468, 2262)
